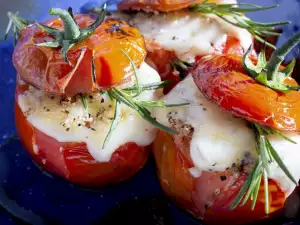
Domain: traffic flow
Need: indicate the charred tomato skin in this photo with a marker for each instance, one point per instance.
(208, 197)
(72, 161)
(92, 61)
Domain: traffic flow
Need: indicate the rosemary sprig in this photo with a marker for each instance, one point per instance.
(126, 99)
(233, 14)
(112, 124)
(15, 23)
(138, 88)
(266, 155)
(269, 73)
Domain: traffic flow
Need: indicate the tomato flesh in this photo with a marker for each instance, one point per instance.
(72, 161)
(208, 197)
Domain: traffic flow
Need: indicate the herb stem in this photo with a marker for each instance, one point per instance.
(71, 29)
(279, 55)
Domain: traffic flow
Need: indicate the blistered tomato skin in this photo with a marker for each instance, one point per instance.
(224, 81)
(45, 68)
(72, 161)
(209, 196)
(160, 5)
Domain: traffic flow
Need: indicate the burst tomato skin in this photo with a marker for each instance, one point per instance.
(72, 161)
(45, 68)
(160, 5)
(208, 197)
(223, 80)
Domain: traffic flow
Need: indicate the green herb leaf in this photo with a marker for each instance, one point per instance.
(144, 112)
(150, 87)
(280, 163)
(233, 14)
(83, 100)
(289, 68)
(255, 192)
(112, 124)
(266, 153)
(245, 186)
(17, 24)
(269, 73)
(138, 88)
(159, 104)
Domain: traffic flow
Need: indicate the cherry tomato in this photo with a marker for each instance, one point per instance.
(72, 161)
(209, 196)
(45, 68)
(223, 80)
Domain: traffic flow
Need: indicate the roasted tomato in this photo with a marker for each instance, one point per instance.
(72, 161)
(92, 64)
(163, 60)
(210, 196)
(159, 5)
(224, 81)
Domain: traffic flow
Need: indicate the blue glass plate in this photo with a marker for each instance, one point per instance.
(38, 197)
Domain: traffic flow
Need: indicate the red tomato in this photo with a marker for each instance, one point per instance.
(223, 80)
(72, 161)
(45, 68)
(161, 59)
(208, 197)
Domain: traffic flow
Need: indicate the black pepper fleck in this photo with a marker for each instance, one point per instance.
(223, 178)
(67, 129)
(102, 100)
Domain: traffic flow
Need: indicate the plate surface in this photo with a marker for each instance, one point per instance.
(27, 191)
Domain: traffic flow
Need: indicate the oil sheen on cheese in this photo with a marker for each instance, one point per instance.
(188, 33)
(221, 140)
(71, 122)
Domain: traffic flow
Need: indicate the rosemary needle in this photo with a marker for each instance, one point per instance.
(266, 153)
(233, 14)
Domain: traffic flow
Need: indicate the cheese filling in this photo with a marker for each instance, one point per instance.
(67, 120)
(220, 140)
(187, 33)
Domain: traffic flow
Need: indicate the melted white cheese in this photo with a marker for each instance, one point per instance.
(188, 33)
(220, 139)
(67, 122)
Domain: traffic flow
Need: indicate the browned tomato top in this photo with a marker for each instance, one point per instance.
(46, 69)
(223, 80)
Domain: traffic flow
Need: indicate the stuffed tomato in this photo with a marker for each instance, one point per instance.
(175, 37)
(81, 97)
(234, 159)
